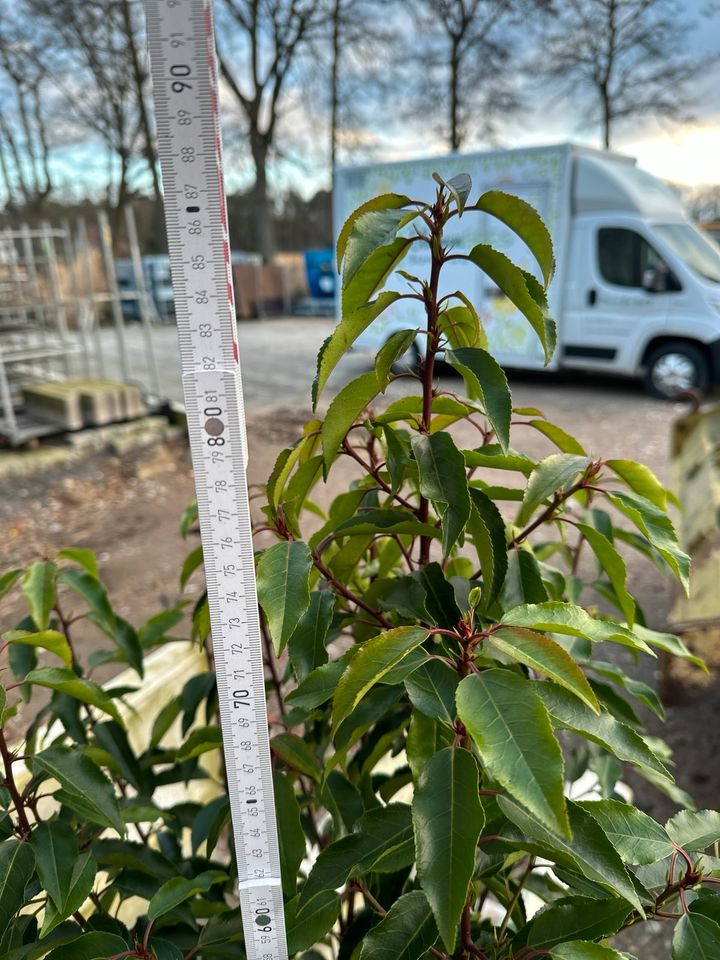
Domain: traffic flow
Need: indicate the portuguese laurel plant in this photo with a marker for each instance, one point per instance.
(439, 691)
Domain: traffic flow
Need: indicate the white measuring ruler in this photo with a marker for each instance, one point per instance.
(182, 53)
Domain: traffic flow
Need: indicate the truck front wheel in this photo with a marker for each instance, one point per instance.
(675, 367)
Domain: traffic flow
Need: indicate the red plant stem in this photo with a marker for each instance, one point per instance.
(348, 594)
(466, 933)
(428, 371)
(375, 474)
(11, 786)
(272, 667)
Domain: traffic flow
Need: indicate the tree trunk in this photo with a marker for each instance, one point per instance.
(606, 115)
(455, 134)
(140, 76)
(121, 200)
(334, 91)
(261, 202)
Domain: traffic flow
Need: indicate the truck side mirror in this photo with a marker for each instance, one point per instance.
(656, 279)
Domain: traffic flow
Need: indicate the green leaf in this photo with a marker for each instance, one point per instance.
(371, 231)
(643, 691)
(443, 481)
(306, 646)
(290, 834)
(431, 689)
(492, 456)
(523, 582)
(553, 475)
(293, 751)
(17, 863)
(192, 561)
(85, 788)
(342, 798)
(614, 566)
(641, 480)
(38, 585)
(83, 558)
(55, 847)
(694, 829)
(589, 851)
(50, 640)
(8, 580)
(283, 575)
(226, 927)
(669, 643)
(696, 938)
(584, 950)
(524, 220)
(544, 655)
(90, 946)
(558, 617)
(393, 519)
(386, 201)
(440, 600)
(654, 524)
(82, 874)
(392, 350)
(459, 186)
(571, 918)
(307, 925)
(332, 867)
(370, 664)
(319, 685)
(460, 325)
(67, 682)
(485, 381)
(487, 528)
(448, 819)
(95, 595)
(345, 334)
(511, 729)
(398, 455)
(202, 740)
(514, 284)
(388, 843)
(179, 889)
(344, 411)
(562, 440)
(373, 273)
(567, 713)
(636, 836)
(406, 932)
(426, 737)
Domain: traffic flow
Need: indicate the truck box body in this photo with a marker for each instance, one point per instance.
(634, 278)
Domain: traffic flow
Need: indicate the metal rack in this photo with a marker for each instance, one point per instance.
(55, 292)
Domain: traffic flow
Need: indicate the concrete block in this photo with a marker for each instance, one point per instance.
(133, 405)
(101, 401)
(58, 403)
(703, 605)
(700, 496)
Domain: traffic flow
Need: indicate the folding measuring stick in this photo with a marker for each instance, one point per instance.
(184, 73)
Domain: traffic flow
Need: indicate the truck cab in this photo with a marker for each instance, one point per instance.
(642, 285)
(637, 286)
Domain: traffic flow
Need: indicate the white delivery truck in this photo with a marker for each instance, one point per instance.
(637, 286)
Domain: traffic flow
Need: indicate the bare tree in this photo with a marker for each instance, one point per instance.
(354, 61)
(627, 57)
(87, 48)
(24, 140)
(467, 54)
(268, 37)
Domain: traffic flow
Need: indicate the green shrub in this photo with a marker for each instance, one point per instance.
(440, 687)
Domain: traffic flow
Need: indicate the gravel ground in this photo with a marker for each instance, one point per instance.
(127, 507)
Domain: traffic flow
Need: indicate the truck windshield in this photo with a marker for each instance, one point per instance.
(698, 251)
